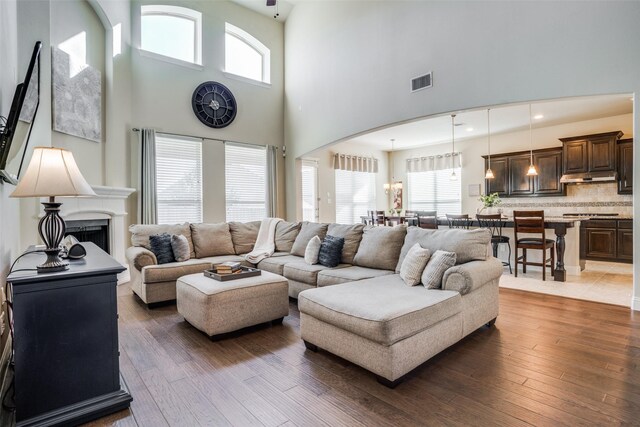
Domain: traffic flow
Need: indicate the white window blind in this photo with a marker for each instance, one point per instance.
(309, 177)
(355, 195)
(178, 179)
(434, 191)
(246, 182)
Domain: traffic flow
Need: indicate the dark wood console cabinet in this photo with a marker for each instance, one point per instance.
(510, 174)
(66, 341)
(625, 166)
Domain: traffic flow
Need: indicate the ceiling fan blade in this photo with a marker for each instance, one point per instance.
(271, 2)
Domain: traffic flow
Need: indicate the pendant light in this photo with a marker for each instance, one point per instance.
(489, 173)
(453, 176)
(532, 169)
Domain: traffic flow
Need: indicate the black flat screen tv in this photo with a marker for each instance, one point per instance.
(14, 135)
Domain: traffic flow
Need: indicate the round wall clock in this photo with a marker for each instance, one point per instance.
(214, 104)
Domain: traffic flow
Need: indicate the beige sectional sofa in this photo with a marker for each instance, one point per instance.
(360, 310)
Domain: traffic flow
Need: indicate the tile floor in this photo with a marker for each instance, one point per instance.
(606, 282)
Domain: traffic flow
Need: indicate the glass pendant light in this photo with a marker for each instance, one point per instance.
(453, 176)
(532, 169)
(489, 173)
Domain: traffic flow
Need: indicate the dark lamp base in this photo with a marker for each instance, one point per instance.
(53, 262)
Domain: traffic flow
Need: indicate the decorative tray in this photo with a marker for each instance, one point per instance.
(246, 272)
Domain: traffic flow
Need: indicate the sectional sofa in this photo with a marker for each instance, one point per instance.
(360, 310)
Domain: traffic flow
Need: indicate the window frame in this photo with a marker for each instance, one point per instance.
(371, 202)
(170, 140)
(176, 12)
(253, 43)
(434, 182)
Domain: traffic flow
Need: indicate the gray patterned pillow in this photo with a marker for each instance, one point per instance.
(414, 264)
(180, 247)
(161, 247)
(440, 262)
(331, 251)
(313, 250)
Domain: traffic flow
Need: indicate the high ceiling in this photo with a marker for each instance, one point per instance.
(508, 118)
(260, 6)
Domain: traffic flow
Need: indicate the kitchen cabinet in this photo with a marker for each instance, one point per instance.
(590, 153)
(625, 166)
(519, 183)
(607, 240)
(499, 184)
(510, 174)
(549, 164)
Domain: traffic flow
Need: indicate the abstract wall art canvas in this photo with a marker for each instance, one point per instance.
(76, 98)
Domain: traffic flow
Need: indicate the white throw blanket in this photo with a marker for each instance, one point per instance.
(265, 243)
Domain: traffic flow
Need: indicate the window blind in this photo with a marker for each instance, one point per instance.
(178, 179)
(246, 182)
(355, 195)
(309, 178)
(434, 191)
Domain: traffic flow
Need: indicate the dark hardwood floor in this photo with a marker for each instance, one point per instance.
(548, 361)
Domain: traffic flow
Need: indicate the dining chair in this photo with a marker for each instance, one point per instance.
(378, 218)
(532, 222)
(495, 223)
(428, 219)
(459, 221)
(411, 217)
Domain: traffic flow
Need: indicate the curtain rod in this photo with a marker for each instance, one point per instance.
(211, 139)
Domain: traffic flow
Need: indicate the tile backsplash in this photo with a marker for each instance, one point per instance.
(592, 198)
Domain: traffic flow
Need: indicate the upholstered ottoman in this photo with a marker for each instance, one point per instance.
(219, 307)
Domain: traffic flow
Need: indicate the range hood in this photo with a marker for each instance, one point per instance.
(574, 178)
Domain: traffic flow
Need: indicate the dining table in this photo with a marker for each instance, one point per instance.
(559, 225)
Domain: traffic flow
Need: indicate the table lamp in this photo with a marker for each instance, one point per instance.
(52, 172)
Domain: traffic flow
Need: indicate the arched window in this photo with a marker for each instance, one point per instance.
(246, 56)
(172, 31)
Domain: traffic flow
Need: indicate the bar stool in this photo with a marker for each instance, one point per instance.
(459, 221)
(532, 222)
(378, 218)
(411, 217)
(495, 223)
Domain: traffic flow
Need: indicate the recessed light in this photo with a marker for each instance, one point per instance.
(469, 129)
(538, 116)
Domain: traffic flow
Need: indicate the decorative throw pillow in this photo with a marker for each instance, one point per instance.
(331, 251)
(414, 264)
(312, 251)
(440, 262)
(161, 247)
(180, 247)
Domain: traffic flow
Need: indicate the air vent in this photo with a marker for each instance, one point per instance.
(421, 82)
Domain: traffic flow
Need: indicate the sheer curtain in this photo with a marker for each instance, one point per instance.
(147, 203)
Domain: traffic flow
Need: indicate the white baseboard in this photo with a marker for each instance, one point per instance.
(635, 303)
(124, 277)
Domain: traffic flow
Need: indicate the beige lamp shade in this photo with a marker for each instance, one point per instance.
(52, 172)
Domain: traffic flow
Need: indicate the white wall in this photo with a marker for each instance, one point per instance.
(9, 208)
(473, 164)
(161, 93)
(327, 176)
(69, 18)
(348, 64)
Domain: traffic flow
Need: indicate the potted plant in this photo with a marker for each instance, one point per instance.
(489, 201)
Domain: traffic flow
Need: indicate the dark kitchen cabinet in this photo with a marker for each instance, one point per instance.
(625, 166)
(601, 243)
(510, 174)
(499, 184)
(575, 156)
(519, 183)
(590, 153)
(549, 164)
(607, 240)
